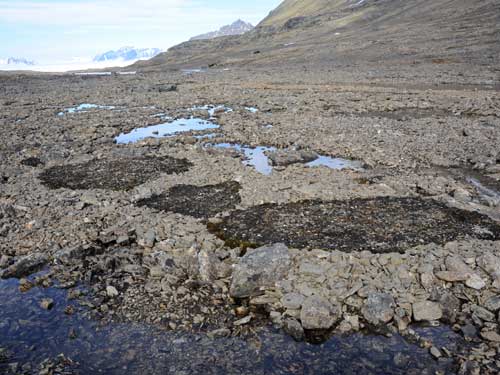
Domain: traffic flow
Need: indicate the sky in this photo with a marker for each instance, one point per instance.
(56, 31)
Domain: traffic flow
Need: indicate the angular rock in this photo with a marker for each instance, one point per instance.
(451, 307)
(293, 328)
(211, 268)
(378, 308)
(292, 301)
(259, 268)
(475, 282)
(451, 276)
(491, 264)
(47, 303)
(318, 313)
(427, 311)
(483, 314)
(111, 291)
(25, 266)
(492, 303)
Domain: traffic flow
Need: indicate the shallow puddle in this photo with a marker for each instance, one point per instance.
(84, 108)
(257, 157)
(167, 129)
(30, 336)
(173, 127)
(379, 225)
(336, 163)
(254, 156)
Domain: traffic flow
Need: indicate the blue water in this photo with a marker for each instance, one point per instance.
(336, 163)
(166, 129)
(31, 334)
(84, 107)
(254, 156)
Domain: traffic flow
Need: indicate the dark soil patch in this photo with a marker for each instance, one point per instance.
(197, 201)
(380, 225)
(32, 162)
(112, 174)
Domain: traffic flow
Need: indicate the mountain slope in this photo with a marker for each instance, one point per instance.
(236, 28)
(347, 33)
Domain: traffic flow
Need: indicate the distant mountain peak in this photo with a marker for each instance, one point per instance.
(128, 53)
(238, 27)
(17, 61)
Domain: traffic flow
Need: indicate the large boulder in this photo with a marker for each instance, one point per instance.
(378, 308)
(318, 313)
(260, 268)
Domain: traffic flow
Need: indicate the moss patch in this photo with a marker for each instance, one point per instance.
(379, 225)
(112, 174)
(197, 201)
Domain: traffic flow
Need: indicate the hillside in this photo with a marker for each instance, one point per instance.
(354, 33)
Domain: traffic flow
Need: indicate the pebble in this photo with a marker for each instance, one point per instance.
(47, 303)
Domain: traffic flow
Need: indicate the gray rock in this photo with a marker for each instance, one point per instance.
(111, 291)
(435, 352)
(475, 282)
(493, 303)
(427, 311)
(211, 268)
(378, 308)
(491, 264)
(483, 314)
(318, 313)
(25, 266)
(70, 254)
(294, 328)
(262, 267)
(284, 158)
(47, 303)
(292, 301)
(451, 307)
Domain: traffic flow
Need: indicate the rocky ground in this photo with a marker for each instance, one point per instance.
(180, 235)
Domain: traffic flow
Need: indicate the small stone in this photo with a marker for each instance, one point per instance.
(47, 303)
(435, 352)
(243, 321)
(241, 311)
(450, 276)
(111, 291)
(493, 303)
(475, 282)
(490, 336)
(483, 314)
(294, 328)
(318, 313)
(217, 333)
(25, 285)
(293, 300)
(427, 311)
